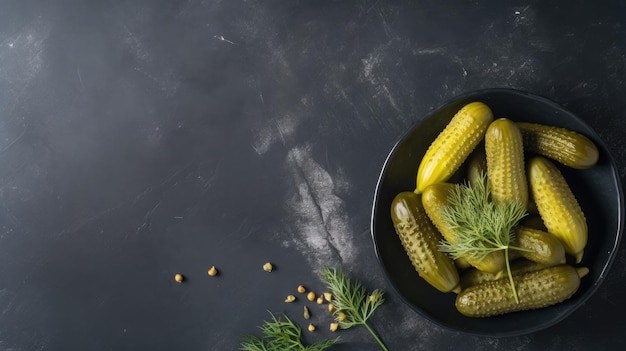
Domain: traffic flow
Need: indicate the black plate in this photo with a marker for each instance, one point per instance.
(597, 189)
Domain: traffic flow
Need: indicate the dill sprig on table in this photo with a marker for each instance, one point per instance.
(353, 305)
(481, 225)
(282, 334)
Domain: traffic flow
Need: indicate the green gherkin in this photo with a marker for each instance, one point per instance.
(557, 205)
(538, 245)
(473, 276)
(535, 289)
(505, 162)
(452, 146)
(420, 239)
(562, 145)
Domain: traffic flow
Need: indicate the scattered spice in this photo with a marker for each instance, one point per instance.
(306, 313)
(347, 300)
(341, 316)
(212, 271)
(328, 296)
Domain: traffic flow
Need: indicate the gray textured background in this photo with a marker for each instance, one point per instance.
(143, 138)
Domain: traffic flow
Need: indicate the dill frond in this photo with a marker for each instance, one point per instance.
(481, 226)
(353, 305)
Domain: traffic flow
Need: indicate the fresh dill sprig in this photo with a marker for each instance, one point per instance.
(282, 335)
(481, 226)
(353, 306)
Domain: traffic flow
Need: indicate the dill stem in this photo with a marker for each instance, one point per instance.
(378, 340)
(508, 269)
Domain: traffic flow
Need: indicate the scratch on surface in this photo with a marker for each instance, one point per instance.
(8, 212)
(521, 11)
(207, 182)
(392, 101)
(12, 44)
(148, 218)
(279, 128)
(243, 226)
(164, 186)
(429, 51)
(459, 62)
(80, 223)
(8, 306)
(372, 6)
(14, 141)
(281, 134)
(80, 78)
(220, 37)
(170, 181)
(385, 23)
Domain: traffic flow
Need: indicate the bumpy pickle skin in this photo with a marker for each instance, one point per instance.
(536, 289)
(420, 238)
(473, 276)
(506, 171)
(562, 145)
(538, 246)
(557, 205)
(453, 145)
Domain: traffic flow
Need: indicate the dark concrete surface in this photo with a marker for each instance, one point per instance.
(139, 139)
